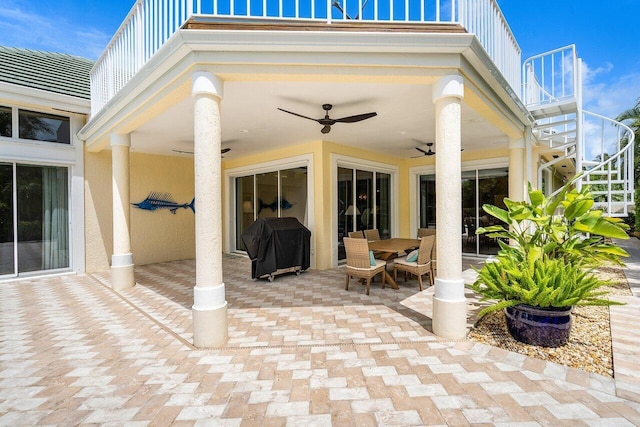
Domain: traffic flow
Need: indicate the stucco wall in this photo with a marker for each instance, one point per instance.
(159, 235)
(156, 236)
(98, 211)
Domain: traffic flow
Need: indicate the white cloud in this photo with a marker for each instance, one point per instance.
(25, 28)
(607, 94)
(589, 74)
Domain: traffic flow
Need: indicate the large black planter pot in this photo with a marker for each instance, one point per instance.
(547, 327)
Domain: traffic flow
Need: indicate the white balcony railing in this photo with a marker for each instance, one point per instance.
(150, 23)
(550, 77)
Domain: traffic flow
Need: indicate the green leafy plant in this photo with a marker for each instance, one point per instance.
(544, 283)
(549, 247)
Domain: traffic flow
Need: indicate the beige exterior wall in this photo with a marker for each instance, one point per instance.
(98, 211)
(156, 236)
(159, 236)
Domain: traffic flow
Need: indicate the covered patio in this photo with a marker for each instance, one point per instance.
(206, 107)
(310, 309)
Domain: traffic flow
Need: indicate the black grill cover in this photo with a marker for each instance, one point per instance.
(277, 243)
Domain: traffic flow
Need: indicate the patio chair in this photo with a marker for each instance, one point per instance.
(356, 234)
(434, 262)
(359, 262)
(372, 235)
(424, 232)
(470, 225)
(419, 267)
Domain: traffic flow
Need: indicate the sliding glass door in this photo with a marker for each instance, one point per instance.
(479, 186)
(364, 202)
(7, 217)
(280, 193)
(34, 218)
(427, 191)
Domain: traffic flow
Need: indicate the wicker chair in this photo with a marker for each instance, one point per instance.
(421, 266)
(356, 234)
(424, 232)
(372, 235)
(359, 262)
(434, 262)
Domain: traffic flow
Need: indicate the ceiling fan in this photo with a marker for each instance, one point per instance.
(223, 151)
(429, 152)
(425, 153)
(327, 121)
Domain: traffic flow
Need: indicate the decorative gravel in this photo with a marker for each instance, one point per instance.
(589, 346)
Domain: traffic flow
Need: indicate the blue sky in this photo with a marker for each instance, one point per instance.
(604, 35)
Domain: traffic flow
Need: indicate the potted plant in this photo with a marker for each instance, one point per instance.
(549, 247)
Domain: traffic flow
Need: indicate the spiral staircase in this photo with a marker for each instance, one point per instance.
(572, 140)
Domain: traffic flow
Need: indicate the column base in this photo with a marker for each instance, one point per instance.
(122, 277)
(210, 327)
(449, 319)
(449, 309)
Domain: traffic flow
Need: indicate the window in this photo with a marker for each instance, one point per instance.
(35, 126)
(5, 122)
(43, 127)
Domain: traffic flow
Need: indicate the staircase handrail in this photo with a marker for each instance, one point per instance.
(532, 79)
(627, 150)
(628, 134)
(530, 76)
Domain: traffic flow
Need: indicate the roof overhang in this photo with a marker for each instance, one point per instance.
(360, 70)
(29, 97)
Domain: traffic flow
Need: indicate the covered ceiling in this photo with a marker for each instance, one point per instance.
(252, 123)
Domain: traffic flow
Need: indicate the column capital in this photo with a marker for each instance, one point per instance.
(516, 143)
(120, 139)
(205, 83)
(448, 86)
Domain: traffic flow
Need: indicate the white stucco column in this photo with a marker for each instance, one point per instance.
(517, 181)
(209, 303)
(122, 276)
(449, 302)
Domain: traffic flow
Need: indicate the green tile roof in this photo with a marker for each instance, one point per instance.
(53, 72)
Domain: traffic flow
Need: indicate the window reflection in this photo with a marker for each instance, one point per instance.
(364, 202)
(270, 195)
(479, 187)
(5, 122)
(6, 220)
(43, 127)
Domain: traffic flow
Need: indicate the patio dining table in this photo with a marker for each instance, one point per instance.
(393, 245)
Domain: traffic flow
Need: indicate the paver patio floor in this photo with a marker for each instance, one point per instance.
(301, 351)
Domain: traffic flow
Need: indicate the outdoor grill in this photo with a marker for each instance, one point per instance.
(277, 245)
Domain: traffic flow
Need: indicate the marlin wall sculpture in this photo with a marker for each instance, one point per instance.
(284, 204)
(157, 200)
